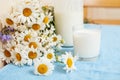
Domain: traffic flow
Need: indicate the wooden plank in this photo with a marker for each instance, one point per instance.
(98, 21)
(85, 12)
(101, 3)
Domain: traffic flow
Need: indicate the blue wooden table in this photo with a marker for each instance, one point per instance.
(106, 67)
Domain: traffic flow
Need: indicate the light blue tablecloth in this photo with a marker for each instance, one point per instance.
(107, 67)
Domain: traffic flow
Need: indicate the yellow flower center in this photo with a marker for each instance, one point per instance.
(28, 2)
(42, 68)
(54, 39)
(32, 55)
(12, 48)
(46, 6)
(7, 53)
(46, 19)
(36, 26)
(34, 44)
(69, 62)
(27, 12)
(18, 56)
(9, 21)
(27, 37)
(49, 56)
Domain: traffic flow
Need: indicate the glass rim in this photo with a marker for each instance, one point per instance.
(86, 29)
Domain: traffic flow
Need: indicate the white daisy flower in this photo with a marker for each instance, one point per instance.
(43, 67)
(55, 39)
(6, 55)
(19, 57)
(37, 25)
(10, 45)
(32, 55)
(69, 61)
(34, 42)
(26, 13)
(34, 3)
(27, 35)
(21, 27)
(8, 20)
(47, 18)
(17, 37)
(50, 55)
(29, 38)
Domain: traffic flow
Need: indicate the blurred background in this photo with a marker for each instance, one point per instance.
(102, 11)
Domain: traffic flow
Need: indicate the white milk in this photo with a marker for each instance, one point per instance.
(67, 14)
(64, 23)
(86, 43)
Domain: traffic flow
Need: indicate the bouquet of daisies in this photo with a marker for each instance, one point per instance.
(28, 37)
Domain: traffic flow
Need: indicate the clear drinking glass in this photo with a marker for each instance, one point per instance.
(86, 42)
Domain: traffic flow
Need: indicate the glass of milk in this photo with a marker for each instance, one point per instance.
(86, 42)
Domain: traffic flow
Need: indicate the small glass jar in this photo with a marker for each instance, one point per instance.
(86, 42)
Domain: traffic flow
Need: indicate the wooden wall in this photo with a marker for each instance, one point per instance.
(108, 9)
